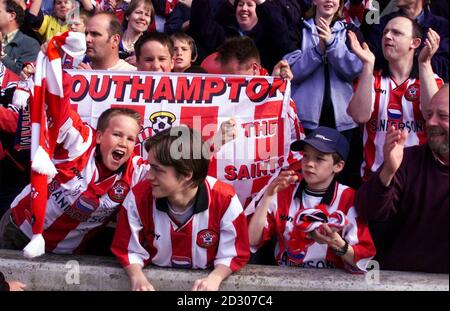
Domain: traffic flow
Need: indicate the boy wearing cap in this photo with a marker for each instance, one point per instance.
(310, 213)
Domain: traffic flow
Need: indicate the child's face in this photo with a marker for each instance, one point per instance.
(77, 25)
(318, 169)
(154, 57)
(326, 8)
(166, 183)
(62, 7)
(117, 141)
(182, 57)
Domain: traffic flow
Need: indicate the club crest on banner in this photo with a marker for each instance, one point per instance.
(161, 120)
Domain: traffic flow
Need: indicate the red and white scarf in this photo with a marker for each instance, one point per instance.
(310, 219)
(48, 97)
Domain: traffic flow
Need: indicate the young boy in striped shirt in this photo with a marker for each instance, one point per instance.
(310, 213)
(180, 217)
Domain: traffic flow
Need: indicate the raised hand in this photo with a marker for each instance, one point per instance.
(392, 153)
(282, 181)
(228, 131)
(324, 31)
(362, 51)
(283, 70)
(431, 46)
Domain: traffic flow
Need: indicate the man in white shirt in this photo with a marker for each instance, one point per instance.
(103, 34)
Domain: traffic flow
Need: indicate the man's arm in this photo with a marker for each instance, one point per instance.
(35, 7)
(376, 199)
(392, 154)
(360, 105)
(28, 53)
(428, 85)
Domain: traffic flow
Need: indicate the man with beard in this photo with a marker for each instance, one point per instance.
(410, 192)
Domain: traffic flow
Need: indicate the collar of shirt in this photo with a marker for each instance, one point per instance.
(9, 37)
(421, 17)
(201, 201)
(327, 198)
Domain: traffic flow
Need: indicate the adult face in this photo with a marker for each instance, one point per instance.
(62, 7)
(139, 20)
(99, 45)
(6, 19)
(117, 141)
(436, 117)
(155, 57)
(246, 14)
(397, 41)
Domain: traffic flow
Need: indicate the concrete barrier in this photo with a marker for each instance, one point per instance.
(90, 273)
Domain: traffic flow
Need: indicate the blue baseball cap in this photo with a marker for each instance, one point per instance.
(326, 140)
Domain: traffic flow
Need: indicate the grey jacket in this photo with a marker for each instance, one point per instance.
(308, 84)
(20, 50)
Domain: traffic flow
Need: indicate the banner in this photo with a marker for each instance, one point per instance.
(259, 105)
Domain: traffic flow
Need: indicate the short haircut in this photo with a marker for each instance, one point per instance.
(241, 48)
(12, 7)
(181, 36)
(133, 6)
(115, 28)
(160, 37)
(85, 16)
(103, 120)
(336, 157)
(161, 143)
(416, 28)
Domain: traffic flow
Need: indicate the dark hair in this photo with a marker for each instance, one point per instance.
(336, 158)
(192, 155)
(103, 120)
(12, 7)
(115, 28)
(133, 6)
(241, 48)
(181, 36)
(160, 37)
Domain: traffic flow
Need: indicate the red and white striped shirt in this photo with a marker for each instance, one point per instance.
(78, 201)
(215, 234)
(293, 248)
(393, 105)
